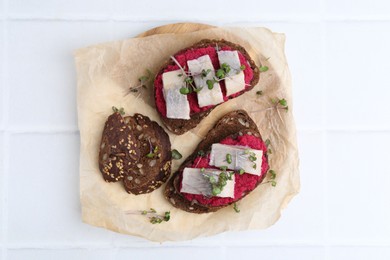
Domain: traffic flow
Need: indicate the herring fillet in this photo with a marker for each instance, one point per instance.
(240, 158)
(194, 182)
(177, 104)
(206, 96)
(235, 79)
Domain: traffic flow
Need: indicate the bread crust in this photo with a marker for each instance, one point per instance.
(180, 126)
(230, 125)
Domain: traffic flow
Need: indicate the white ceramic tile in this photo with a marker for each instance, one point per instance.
(275, 253)
(162, 252)
(358, 85)
(47, 8)
(2, 68)
(42, 72)
(43, 185)
(304, 56)
(225, 11)
(358, 182)
(2, 5)
(2, 175)
(122, 240)
(125, 29)
(58, 254)
(348, 8)
(359, 253)
(302, 221)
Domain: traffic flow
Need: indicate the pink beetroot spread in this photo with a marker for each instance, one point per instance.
(192, 54)
(244, 183)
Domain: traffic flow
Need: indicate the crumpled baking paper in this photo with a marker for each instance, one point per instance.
(106, 71)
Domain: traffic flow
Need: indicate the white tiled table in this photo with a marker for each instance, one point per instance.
(338, 53)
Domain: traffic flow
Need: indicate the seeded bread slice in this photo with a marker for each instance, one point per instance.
(230, 125)
(150, 172)
(118, 149)
(180, 126)
(124, 146)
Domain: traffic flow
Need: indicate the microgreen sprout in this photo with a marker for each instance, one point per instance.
(218, 183)
(235, 207)
(229, 158)
(154, 218)
(184, 90)
(210, 83)
(272, 178)
(268, 144)
(205, 73)
(201, 153)
(120, 110)
(143, 82)
(176, 155)
(263, 68)
(152, 152)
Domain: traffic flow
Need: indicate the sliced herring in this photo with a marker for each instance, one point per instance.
(177, 104)
(235, 79)
(240, 158)
(206, 97)
(194, 182)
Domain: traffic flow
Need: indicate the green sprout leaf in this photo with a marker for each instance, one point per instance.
(205, 73)
(176, 155)
(242, 67)
(210, 84)
(150, 155)
(184, 91)
(242, 171)
(263, 68)
(229, 158)
(283, 102)
(225, 67)
(220, 73)
(216, 190)
(272, 174)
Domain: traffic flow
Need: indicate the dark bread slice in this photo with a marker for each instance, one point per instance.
(180, 126)
(232, 124)
(148, 173)
(118, 149)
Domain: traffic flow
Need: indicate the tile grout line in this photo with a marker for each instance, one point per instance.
(5, 133)
(144, 19)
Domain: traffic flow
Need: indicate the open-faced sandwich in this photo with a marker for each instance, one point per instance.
(227, 165)
(134, 150)
(199, 78)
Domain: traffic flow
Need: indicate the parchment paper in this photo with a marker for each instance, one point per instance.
(106, 71)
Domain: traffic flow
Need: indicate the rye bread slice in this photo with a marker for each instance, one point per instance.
(180, 126)
(230, 125)
(118, 149)
(150, 172)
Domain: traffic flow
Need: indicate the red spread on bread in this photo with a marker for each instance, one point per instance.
(244, 183)
(192, 54)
